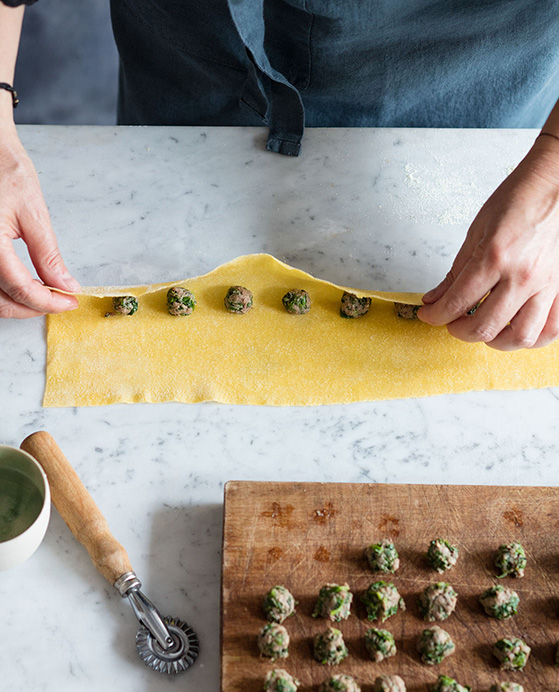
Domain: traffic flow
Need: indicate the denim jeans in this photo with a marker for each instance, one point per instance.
(337, 63)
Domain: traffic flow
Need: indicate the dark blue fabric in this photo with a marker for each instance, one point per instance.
(341, 63)
(285, 112)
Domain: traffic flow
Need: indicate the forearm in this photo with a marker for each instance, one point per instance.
(11, 19)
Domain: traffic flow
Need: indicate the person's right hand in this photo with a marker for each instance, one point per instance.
(24, 214)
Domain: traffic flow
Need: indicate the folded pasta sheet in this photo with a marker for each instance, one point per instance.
(267, 356)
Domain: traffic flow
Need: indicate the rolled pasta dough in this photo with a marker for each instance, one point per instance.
(267, 356)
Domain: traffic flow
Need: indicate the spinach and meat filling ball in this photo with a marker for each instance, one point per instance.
(280, 680)
(273, 641)
(446, 684)
(352, 306)
(500, 602)
(506, 687)
(442, 555)
(297, 301)
(382, 600)
(340, 683)
(382, 557)
(278, 604)
(434, 645)
(180, 301)
(380, 644)
(389, 683)
(437, 601)
(510, 560)
(125, 305)
(511, 653)
(407, 312)
(334, 602)
(238, 299)
(329, 647)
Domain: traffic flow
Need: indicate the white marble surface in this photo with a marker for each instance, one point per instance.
(382, 209)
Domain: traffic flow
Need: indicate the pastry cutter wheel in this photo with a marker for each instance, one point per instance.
(166, 644)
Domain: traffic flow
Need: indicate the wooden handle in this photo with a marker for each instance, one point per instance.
(76, 506)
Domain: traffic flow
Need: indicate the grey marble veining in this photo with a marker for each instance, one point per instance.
(382, 209)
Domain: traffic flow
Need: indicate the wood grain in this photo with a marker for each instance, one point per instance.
(78, 509)
(304, 535)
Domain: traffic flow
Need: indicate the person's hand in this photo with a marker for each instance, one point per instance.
(24, 214)
(510, 255)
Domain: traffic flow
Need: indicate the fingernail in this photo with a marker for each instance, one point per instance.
(429, 294)
(70, 304)
(71, 283)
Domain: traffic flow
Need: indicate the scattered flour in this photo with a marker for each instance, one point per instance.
(439, 194)
(451, 198)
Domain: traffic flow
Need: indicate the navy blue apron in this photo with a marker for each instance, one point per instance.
(336, 63)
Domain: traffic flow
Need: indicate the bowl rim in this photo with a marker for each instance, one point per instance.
(46, 498)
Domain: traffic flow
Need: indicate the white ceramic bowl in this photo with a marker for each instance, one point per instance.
(24, 506)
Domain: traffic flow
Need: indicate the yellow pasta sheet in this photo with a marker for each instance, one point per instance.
(267, 356)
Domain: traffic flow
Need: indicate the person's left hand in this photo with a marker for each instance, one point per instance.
(510, 255)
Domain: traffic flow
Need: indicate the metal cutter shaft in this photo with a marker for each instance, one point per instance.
(128, 585)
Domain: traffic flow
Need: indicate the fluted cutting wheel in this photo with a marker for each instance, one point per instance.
(178, 657)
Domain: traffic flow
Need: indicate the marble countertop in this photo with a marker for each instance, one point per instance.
(384, 209)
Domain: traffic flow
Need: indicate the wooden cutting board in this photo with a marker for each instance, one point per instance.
(304, 535)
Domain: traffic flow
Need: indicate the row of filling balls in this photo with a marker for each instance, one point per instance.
(437, 602)
(239, 300)
(280, 680)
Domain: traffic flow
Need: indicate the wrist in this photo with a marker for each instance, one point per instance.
(6, 104)
(543, 158)
(7, 124)
(11, 147)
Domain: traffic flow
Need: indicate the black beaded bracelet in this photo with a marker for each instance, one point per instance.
(9, 87)
(548, 134)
